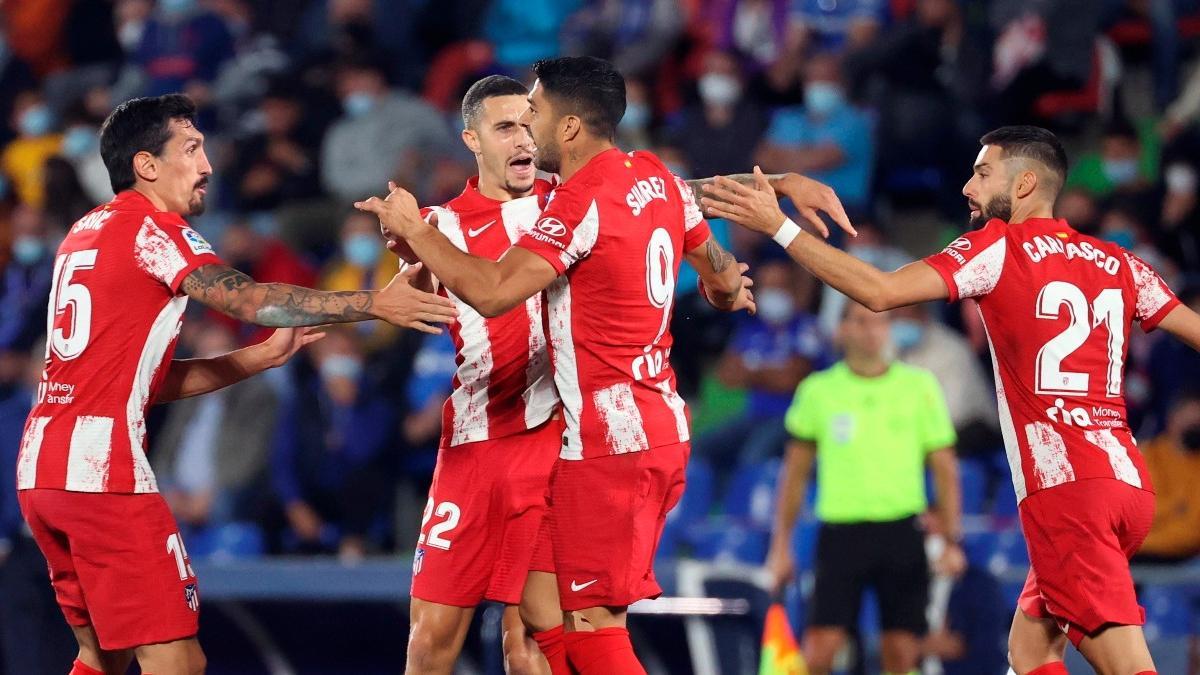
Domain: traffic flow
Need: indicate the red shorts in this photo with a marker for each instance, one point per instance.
(607, 516)
(480, 529)
(1080, 537)
(117, 564)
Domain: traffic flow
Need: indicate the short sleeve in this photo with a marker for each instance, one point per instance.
(937, 431)
(971, 265)
(169, 251)
(1154, 299)
(695, 227)
(566, 231)
(801, 417)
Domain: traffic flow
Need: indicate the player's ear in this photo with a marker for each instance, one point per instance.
(471, 140)
(571, 127)
(1027, 182)
(145, 166)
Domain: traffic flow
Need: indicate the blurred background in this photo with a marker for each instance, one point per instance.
(300, 492)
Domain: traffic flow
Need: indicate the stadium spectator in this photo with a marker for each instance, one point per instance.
(26, 281)
(718, 134)
(1171, 368)
(81, 147)
(635, 35)
(758, 29)
(1173, 459)
(524, 31)
(871, 426)
(843, 26)
(827, 138)
(768, 356)
(871, 245)
(633, 133)
(976, 614)
(211, 454)
(361, 258)
(23, 158)
(182, 49)
(382, 135)
(329, 456)
(928, 344)
(69, 197)
(1125, 165)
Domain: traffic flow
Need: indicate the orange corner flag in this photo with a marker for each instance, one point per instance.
(780, 653)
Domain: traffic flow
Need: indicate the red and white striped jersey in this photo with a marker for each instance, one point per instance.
(1058, 307)
(504, 383)
(616, 233)
(113, 317)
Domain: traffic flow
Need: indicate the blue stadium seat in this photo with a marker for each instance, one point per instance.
(804, 542)
(1168, 611)
(730, 540)
(231, 540)
(973, 478)
(697, 497)
(751, 494)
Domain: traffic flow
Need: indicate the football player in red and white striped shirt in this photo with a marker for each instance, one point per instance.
(606, 251)
(122, 278)
(1058, 306)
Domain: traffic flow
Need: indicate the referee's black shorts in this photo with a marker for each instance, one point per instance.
(886, 556)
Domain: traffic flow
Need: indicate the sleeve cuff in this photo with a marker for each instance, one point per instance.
(696, 237)
(550, 254)
(947, 278)
(1152, 322)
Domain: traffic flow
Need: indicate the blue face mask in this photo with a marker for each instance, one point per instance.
(79, 142)
(362, 250)
(1121, 172)
(358, 104)
(37, 121)
(28, 250)
(823, 98)
(637, 116)
(176, 7)
(906, 333)
(341, 365)
(1122, 238)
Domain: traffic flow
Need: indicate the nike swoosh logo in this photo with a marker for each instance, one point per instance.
(476, 233)
(575, 588)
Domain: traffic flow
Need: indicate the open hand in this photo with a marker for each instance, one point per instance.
(401, 304)
(285, 342)
(398, 213)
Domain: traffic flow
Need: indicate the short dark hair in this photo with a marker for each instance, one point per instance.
(137, 125)
(488, 87)
(1030, 142)
(586, 86)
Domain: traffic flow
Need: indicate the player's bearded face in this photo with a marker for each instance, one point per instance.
(186, 169)
(505, 146)
(543, 125)
(997, 206)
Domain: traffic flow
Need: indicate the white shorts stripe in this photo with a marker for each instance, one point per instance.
(31, 448)
(90, 454)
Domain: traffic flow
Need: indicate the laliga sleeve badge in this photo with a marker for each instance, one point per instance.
(198, 244)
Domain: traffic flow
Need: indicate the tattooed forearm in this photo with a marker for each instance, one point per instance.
(697, 185)
(719, 258)
(278, 305)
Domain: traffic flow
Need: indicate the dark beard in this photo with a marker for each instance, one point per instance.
(196, 207)
(547, 158)
(999, 206)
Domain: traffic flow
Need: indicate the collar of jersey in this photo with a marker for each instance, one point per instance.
(132, 200)
(1045, 224)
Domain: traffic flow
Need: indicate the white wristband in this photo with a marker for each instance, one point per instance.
(787, 232)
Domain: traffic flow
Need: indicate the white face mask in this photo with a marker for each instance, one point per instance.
(719, 89)
(775, 306)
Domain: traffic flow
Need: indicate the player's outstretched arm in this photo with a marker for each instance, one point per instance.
(810, 197)
(193, 377)
(757, 209)
(491, 288)
(281, 305)
(1184, 324)
(722, 277)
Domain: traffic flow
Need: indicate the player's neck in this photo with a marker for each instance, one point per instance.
(867, 366)
(1031, 210)
(574, 158)
(152, 196)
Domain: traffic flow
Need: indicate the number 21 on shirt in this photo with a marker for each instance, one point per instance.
(1107, 308)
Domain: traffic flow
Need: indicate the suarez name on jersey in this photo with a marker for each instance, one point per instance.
(616, 233)
(1058, 307)
(114, 315)
(503, 384)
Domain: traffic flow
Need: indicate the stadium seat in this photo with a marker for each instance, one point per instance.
(804, 542)
(697, 497)
(751, 494)
(1168, 611)
(973, 478)
(226, 542)
(730, 540)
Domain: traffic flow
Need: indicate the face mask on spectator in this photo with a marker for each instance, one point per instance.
(176, 7)
(36, 120)
(823, 98)
(907, 333)
(362, 250)
(775, 306)
(1191, 438)
(1121, 172)
(130, 35)
(28, 250)
(719, 89)
(637, 116)
(358, 104)
(341, 366)
(1122, 238)
(79, 141)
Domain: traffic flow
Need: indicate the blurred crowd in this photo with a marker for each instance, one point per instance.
(308, 105)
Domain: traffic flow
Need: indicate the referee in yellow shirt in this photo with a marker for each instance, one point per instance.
(871, 425)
